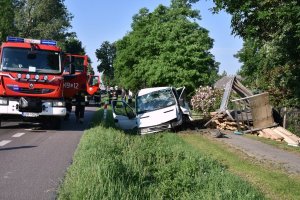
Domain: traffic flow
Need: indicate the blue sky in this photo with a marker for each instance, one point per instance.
(96, 21)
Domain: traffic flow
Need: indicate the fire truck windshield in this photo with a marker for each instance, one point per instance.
(78, 62)
(21, 59)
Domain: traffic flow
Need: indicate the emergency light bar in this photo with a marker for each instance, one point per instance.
(32, 41)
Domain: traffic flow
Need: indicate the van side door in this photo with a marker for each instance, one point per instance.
(124, 116)
(184, 106)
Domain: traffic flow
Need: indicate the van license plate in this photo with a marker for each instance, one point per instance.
(29, 114)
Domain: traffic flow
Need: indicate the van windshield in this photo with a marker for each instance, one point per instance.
(155, 101)
(24, 60)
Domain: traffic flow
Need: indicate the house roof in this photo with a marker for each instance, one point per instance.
(221, 83)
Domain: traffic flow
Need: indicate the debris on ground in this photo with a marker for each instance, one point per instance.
(251, 114)
(224, 121)
(280, 134)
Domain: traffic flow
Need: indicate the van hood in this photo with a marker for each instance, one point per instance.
(157, 117)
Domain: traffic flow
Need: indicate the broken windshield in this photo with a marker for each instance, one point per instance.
(155, 101)
(24, 60)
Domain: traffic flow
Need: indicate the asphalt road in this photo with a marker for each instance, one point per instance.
(33, 162)
(289, 161)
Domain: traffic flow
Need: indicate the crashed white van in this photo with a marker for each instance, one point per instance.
(156, 109)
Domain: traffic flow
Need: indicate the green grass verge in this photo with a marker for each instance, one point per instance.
(109, 164)
(274, 183)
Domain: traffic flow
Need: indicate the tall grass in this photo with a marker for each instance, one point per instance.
(274, 183)
(109, 164)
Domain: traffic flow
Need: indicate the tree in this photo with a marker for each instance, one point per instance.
(73, 46)
(264, 71)
(6, 19)
(48, 19)
(166, 47)
(270, 54)
(90, 69)
(106, 55)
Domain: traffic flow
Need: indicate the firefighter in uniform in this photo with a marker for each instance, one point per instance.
(69, 108)
(80, 106)
(115, 94)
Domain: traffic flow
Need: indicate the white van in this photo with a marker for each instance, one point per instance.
(156, 109)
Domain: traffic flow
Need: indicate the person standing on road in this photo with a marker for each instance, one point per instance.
(80, 106)
(115, 95)
(109, 93)
(68, 107)
(130, 96)
(123, 94)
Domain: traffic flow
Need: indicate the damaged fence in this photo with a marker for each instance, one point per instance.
(290, 119)
(256, 116)
(253, 112)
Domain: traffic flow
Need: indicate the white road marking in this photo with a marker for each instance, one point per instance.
(18, 135)
(4, 142)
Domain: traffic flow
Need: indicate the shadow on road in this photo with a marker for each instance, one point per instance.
(66, 125)
(15, 148)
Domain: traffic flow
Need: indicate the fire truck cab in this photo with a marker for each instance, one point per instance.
(76, 81)
(31, 82)
(93, 90)
(79, 81)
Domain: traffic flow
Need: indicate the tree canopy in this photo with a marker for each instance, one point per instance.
(74, 46)
(47, 19)
(165, 47)
(270, 55)
(106, 55)
(6, 19)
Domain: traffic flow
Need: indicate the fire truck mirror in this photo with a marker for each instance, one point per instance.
(94, 80)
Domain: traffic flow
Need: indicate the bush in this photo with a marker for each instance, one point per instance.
(206, 100)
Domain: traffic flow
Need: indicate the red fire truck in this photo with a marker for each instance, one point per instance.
(31, 81)
(93, 90)
(78, 82)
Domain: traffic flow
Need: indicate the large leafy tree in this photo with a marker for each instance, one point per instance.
(74, 46)
(270, 55)
(90, 67)
(48, 19)
(165, 47)
(6, 19)
(106, 55)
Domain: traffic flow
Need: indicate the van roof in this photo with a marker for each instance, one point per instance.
(149, 90)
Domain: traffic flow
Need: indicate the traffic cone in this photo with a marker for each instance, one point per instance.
(105, 111)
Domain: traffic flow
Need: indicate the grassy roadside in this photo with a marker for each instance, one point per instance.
(274, 183)
(109, 164)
